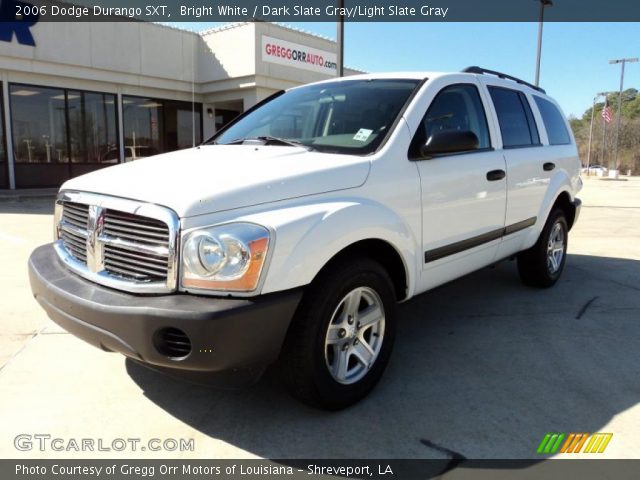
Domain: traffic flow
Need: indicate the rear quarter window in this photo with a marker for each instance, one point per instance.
(553, 122)
(517, 125)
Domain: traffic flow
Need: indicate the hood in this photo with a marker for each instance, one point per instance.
(214, 178)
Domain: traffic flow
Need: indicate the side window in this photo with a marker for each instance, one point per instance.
(517, 125)
(456, 107)
(553, 122)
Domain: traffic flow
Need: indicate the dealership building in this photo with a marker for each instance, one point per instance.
(81, 96)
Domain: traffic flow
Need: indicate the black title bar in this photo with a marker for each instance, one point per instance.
(320, 10)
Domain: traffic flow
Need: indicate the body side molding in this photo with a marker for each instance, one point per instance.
(457, 247)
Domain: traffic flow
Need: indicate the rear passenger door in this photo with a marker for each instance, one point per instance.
(463, 193)
(526, 178)
(525, 157)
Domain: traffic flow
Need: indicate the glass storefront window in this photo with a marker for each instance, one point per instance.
(4, 174)
(185, 131)
(60, 133)
(154, 126)
(142, 127)
(92, 127)
(39, 124)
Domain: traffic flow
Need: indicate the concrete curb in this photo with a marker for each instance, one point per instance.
(18, 195)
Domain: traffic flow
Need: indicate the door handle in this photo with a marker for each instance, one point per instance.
(494, 175)
(547, 167)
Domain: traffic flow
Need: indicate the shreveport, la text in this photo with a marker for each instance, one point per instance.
(187, 470)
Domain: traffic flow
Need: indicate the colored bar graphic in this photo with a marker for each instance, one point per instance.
(598, 443)
(550, 443)
(566, 445)
(574, 442)
(543, 443)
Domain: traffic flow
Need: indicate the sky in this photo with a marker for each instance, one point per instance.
(575, 56)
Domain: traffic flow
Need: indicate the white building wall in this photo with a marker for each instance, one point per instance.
(229, 53)
(223, 68)
(101, 54)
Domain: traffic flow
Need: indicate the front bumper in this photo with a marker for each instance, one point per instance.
(232, 340)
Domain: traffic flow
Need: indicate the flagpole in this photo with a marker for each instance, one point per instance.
(604, 130)
(593, 111)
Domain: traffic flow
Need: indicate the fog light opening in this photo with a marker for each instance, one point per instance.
(172, 342)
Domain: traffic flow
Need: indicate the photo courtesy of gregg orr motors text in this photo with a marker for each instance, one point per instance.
(41, 442)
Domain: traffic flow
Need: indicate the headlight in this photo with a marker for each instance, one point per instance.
(226, 257)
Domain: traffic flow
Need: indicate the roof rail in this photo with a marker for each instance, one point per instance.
(483, 71)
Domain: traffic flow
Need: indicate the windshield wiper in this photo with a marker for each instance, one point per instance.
(283, 141)
(267, 139)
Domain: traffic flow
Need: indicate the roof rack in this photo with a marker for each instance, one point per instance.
(483, 71)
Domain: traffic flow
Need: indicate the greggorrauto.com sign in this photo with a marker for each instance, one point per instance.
(295, 55)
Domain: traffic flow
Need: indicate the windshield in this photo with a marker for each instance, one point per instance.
(351, 116)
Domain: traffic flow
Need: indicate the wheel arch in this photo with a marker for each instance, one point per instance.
(327, 233)
(380, 251)
(564, 203)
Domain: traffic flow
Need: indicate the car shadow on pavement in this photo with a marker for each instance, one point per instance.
(482, 368)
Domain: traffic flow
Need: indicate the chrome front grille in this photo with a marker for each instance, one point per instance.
(119, 243)
(76, 214)
(137, 266)
(125, 253)
(135, 228)
(76, 245)
(74, 227)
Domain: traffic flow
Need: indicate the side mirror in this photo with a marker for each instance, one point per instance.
(452, 141)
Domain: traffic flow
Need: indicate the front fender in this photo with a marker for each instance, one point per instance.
(307, 237)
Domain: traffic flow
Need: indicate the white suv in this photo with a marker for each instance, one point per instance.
(290, 235)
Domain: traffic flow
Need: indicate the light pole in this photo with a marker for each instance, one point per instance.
(623, 61)
(543, 4)
(340, 39)
(593, 109)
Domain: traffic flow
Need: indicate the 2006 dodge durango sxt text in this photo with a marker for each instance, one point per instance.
(291, 234)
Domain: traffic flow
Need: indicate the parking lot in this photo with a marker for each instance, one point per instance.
(483, 367)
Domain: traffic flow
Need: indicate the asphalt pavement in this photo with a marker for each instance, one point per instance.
(483, 367)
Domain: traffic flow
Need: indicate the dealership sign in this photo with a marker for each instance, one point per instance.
(295, 55)
(11, 24)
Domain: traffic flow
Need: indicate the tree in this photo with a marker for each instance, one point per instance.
(602, 150)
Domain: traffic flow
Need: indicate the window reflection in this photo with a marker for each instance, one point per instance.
(154, 126)
(142, 118)
(59, 133)
(4, 174)
(39, 124)
(92, 127)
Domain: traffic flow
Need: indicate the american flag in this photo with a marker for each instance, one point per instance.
(607, 114)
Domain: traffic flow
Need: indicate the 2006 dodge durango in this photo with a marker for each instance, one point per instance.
(291, 234)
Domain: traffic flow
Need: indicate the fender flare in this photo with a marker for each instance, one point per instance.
(560, 183)
(307, 242)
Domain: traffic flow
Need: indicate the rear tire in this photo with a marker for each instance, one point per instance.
(342, 335)
(542, 265)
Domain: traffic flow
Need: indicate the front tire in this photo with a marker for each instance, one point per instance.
(542, 265)
(341, 338)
